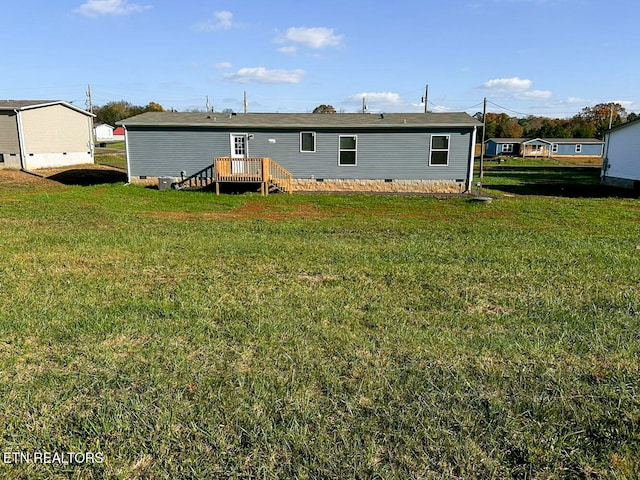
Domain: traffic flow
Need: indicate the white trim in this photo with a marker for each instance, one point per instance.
(21, 145)
(578, 148)
(472, 159)
(232, 146)
(126, 148)
(432, 150)
(314, 141)
(355, 137)
(57, 102)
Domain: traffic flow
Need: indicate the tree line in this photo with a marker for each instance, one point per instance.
(113, 112)
(591, 122)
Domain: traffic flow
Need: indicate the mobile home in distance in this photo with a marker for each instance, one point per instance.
(545, 147)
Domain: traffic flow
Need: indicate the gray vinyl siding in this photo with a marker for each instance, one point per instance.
(381, 154)
(588, 150)
(156, 152)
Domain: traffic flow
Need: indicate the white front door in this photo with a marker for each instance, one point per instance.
(238, 150)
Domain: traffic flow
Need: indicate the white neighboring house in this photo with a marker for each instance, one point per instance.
(44, 134)
(621, 164)
(103, 132)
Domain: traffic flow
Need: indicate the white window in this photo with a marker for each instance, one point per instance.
(439, 150)
(554, 148)
(308, 142)
(578, 148)
(348, 151)
(507, 148)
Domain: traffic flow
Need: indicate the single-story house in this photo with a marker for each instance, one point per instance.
(621, 164)
(44, 133)
(338, 151)
(103, 132)
(544, 147)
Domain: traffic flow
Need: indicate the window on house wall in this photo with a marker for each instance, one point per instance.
(308, 142)
(507, 148)
(554, 148)
(578, 148)
(439, 150)
(348, 150)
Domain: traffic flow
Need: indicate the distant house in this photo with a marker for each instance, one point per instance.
(384, 152)
(621, 164)
(103, 132)
(544, 147)
(118, 134)
(44, 133)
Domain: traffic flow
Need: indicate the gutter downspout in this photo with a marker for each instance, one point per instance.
(21, 146)
(605, 156)
(92, 145)
(471, 159)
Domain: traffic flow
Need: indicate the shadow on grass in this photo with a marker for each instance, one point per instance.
(227, 188)
(88, 177)
(571, 182)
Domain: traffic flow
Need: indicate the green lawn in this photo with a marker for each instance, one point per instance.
(111, 159)
(187, 335)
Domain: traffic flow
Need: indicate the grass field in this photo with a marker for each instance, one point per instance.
(188, 335)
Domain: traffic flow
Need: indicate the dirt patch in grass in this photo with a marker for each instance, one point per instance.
(17, 178)
(247, 211)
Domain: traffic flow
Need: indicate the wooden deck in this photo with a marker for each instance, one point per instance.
(269, 174)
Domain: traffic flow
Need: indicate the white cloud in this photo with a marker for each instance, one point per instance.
(514, 87)
(222, 20)
(263, 75)
(96, 8)
(223, 65)
(315, 37)
(378, 102)
(289, 50)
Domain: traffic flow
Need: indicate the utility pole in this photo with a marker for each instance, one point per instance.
(88, 102)
(364, 105)
(207, 106)
(484, 129)
(245, 101)
(610, 115)
(425, 99)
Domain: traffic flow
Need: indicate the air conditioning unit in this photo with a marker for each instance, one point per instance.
(166, 183)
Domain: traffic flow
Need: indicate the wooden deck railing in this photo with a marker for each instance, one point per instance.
(262, 170)
(278, 176)
(241, 170)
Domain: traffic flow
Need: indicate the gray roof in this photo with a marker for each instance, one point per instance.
(624, 125)
(29, 104)
(547, 140)
(303, 120)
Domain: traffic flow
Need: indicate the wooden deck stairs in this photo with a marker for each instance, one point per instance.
(269, 174)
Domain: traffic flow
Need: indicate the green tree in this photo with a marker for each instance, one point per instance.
(324, 109)
(601, 114)
(113, 112)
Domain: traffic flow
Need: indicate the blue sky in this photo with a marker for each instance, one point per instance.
(528, 57)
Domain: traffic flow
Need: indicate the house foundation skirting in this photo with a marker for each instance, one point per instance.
(342, 185)
(394, 186)
(621, 183)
